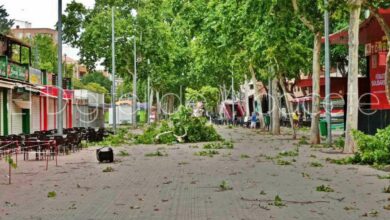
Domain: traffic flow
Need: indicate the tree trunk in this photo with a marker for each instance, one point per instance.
(158, 105)
(386, 29)
(315, 116)
(275, 107)
(171, 103)
(150, 104)
(247, 109)
(289, 106)
(315, 113)
(257, 97)
(353, 71)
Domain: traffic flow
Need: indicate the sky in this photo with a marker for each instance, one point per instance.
(41, 13)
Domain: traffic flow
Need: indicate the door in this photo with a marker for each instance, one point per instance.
(26, 121)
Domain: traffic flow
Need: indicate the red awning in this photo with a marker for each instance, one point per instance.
(369, 31)
(302, 99)
(52, 91)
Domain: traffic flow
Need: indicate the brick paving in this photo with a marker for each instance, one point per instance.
(184, 186)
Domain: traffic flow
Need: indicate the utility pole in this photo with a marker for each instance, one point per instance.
(113, 92)
(148, 93)
(134, 103)
(327, 77)
(133, 13)
(59, 63)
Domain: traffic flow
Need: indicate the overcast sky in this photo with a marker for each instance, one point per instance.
(41, 13)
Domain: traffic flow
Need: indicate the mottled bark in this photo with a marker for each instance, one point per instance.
(353, 71)
(289, 106)
(315, 112)
(246, 87)
(158, 105)
(315, 115)
(275, 107)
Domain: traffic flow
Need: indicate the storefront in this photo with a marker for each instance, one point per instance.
(374, 111)
(48, 102)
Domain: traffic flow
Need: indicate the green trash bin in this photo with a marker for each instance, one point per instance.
(323, 128)
(267, 120)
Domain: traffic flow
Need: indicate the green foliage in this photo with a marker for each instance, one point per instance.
(207, 153)
(244, 156)
(97, 78)
(122, 136)
(278, 202)
(293, 153)
(224, 186)
(384, 177)
(51, 194)
(179, 124)
(108, 170)
(283, 162)
(207, 94)
(10, 161)
(339, 142)
(156, 154)
(77, 84)
(303, 141)
(44, 53)
(151, 132)
(324, 188)
(5, 23)
(123, 153)
(219, 145)
(95, 87)
(316, 164)
(372, 149)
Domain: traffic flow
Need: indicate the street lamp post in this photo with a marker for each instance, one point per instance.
(113, 104)
(327, 77)
(134, 102)
(148, 94)
(59, 63)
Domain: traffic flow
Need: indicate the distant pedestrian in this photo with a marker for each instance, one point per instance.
(295, 117)
(253, 120)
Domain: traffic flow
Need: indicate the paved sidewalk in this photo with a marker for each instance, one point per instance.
(184, 186)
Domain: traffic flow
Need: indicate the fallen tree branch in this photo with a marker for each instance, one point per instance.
(179, 139)
(285, 201)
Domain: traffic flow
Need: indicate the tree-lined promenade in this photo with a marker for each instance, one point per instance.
(198, 43)
(206, 71)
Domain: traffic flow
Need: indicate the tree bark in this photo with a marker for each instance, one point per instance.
(353, 71)
(158, 105)
(257, 97)
(246, 86)
(315, 115)
(288, 105)
(386, 29)
(150, 104)
(315, 112)
(275, 107)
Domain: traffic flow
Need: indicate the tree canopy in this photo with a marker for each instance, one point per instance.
(5, 22)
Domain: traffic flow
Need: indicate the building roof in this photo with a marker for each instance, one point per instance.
(369, 30)
(33, 29)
